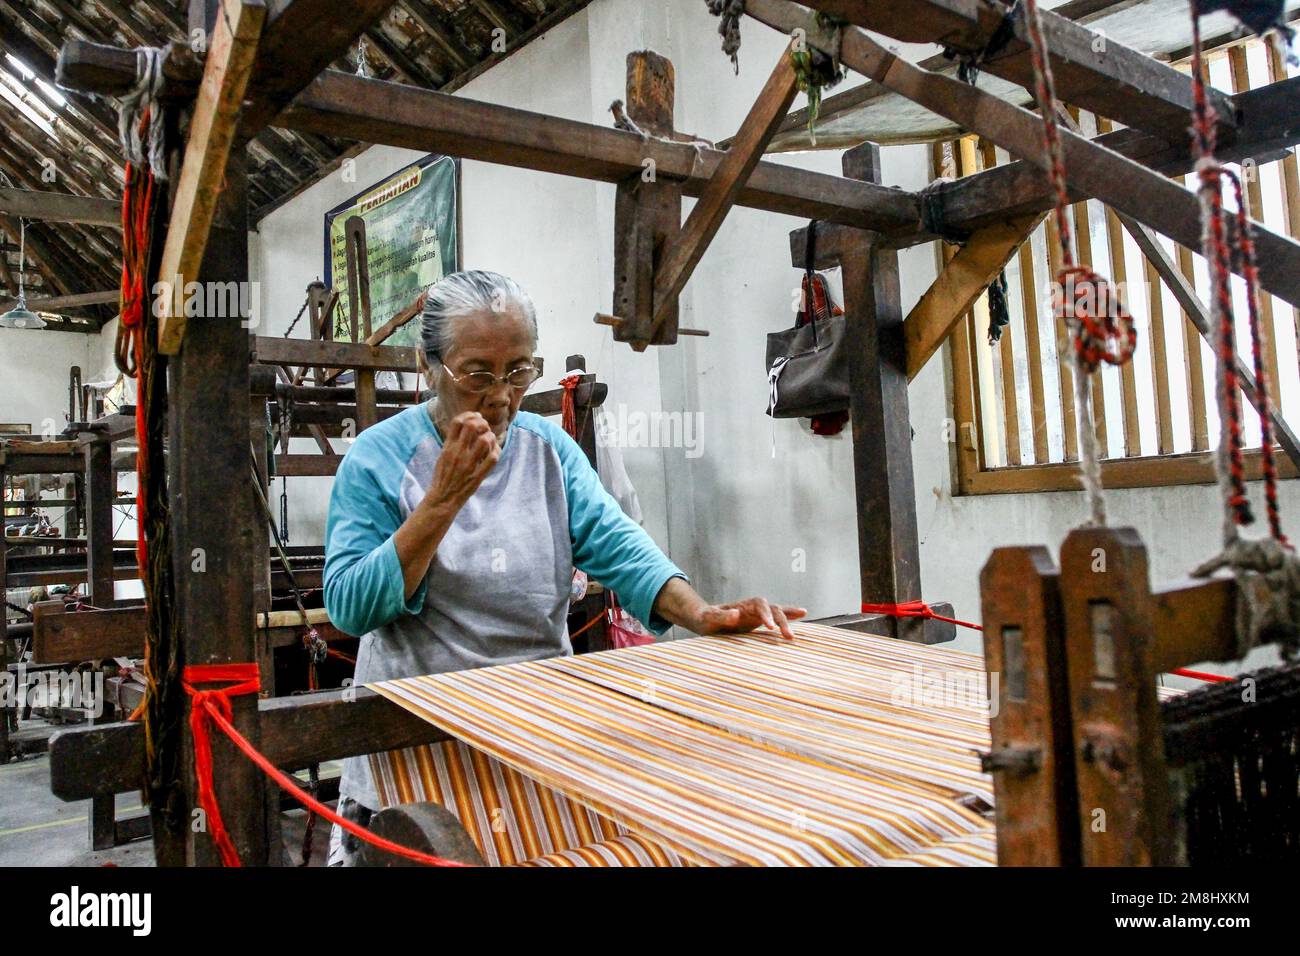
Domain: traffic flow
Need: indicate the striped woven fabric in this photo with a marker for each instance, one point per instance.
(840, 748)
(510, 817)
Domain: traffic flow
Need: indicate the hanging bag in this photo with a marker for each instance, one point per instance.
(623, 629)
(808, 365)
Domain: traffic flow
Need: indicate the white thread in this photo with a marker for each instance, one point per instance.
(141, 97)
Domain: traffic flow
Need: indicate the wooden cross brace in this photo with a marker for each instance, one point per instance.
(654, 255)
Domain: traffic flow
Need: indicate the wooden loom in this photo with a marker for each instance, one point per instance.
(257, 59)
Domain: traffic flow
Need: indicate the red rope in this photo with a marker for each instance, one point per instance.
(214, 707)
(921, 609)
(568, 411)
(590, 624)
(915, 609)
(1218, 252)
(137, 218)
(207, 706)
(1201, 675)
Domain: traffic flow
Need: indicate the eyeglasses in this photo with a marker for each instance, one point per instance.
(479, 382)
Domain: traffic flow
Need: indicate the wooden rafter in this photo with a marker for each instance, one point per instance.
(719, 194)
(1121, 183)
(373, 111)
(1109, 79)
(1199, 315)
(212, 133)
(1269, 123)
(56, 303)
(60, 207)
(963, 280)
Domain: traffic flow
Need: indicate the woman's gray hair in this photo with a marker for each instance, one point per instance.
(463, 294)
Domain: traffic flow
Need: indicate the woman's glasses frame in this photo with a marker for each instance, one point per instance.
(479, 382)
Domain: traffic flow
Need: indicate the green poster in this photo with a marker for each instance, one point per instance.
(410, 221)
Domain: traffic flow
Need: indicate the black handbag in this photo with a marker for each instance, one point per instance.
(808, 365)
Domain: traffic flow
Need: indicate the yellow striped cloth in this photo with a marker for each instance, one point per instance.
(839, 748)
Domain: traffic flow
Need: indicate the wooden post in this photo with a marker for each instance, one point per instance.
(215, 526)
(359, 314)
(1125, 816)
(214, 530)
(647, 212)
(1032, 760)
(889, 557)
(101, 484)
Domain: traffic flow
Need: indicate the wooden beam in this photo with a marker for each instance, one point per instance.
(647, 215)
(1199, 315)
(296, 732)
(303, 37)
(1269, 123)
(298, 466)
(382, 334)
(729, 176)
(954, 291)
(1160, 203)
(837, 114)
(59, 302)
(1092, 72)
(60, 207)
(1031, 759)
(60, 635)
(352, 107)
(232, 51)
(1115, 715)
(273, 350)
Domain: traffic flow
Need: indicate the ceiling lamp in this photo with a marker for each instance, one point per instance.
(20, 317)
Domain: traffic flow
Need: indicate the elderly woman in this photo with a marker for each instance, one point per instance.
(454, 527)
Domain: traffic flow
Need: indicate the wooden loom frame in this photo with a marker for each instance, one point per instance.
(257, 58)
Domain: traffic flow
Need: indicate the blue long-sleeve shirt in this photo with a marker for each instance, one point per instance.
(507, 560)
(497, 590)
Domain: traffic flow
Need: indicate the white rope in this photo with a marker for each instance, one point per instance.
(141, 97)
(1089, 462)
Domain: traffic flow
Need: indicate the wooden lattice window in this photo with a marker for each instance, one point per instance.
(1157, 418)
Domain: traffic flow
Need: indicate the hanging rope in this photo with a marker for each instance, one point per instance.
(922, 610)
(1272, 612)
(729, 29)
(970, 64)
(144, 129)
(142, 142)
(1100, 325)
(568, 411)
(816, 71)
(1218, 253)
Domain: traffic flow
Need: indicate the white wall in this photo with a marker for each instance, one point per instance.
(734, 515)
(34, 366)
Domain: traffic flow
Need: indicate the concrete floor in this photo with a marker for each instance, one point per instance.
(39, 829)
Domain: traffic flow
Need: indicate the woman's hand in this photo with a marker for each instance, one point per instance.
(678, 603)
(747, 615)
(470, 450)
